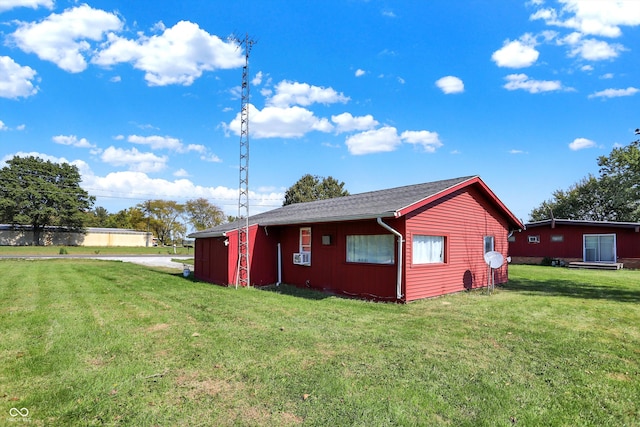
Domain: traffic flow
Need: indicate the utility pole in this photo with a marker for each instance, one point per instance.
(243, 275)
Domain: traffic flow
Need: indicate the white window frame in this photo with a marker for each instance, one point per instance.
(599, 248)
(492, 243)
(306, 248)
(428, 249)
(371, 249)
(533, 239)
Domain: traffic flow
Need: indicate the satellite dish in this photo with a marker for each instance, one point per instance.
(494, 259)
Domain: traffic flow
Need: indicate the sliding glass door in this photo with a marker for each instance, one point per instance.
(599, 247)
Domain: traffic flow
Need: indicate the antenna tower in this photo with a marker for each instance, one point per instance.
(243, 278)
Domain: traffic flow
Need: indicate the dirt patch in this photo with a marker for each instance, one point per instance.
(193, 387)
(158, 327)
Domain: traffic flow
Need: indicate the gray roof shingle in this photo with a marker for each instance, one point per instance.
(373, 204)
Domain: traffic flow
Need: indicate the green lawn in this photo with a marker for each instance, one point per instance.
(106, 343)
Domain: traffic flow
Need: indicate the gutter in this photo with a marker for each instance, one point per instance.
(400, 240)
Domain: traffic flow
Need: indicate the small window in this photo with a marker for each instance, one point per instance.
(534, 239)
(557, 238)
(511, 238)
(373, 249)
(488, 244)
(305, 239)
(428, 249)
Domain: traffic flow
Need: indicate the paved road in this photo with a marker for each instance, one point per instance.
(151, 261)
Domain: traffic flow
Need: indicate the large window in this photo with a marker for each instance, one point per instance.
(428, 249)
(374, 249)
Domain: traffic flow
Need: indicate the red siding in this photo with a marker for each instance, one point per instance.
(464, 218)
(213, 264)
(571, 248)
(211, 261)
(329, 270)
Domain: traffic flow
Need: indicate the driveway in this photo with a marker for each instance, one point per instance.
(150, 261)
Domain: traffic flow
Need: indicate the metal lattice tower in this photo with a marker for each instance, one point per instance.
(243, 276)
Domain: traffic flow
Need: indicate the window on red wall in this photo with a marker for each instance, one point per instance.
(489, 244)
(305, 239)
(428, 249)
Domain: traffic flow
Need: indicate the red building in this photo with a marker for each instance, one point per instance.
(399, 244)
(569, 241)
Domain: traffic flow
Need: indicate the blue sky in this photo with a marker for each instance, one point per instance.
(143, 96)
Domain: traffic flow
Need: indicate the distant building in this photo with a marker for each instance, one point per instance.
(565, 241)
(22, 235)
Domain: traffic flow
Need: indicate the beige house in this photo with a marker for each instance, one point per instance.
(22, 235)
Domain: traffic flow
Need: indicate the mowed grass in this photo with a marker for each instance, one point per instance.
(106, 343)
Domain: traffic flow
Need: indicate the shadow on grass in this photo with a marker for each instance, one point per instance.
(569, 288)
(294, 291)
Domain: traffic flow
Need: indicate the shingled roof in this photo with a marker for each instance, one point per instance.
(382, 203)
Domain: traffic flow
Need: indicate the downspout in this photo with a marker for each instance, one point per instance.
(400, 240)
(279, 265)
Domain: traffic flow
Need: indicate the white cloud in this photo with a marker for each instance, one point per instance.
(21, 127)
(34, 4)
(72, 140)
(517, 152)
(115, 79)
(134, 159)
(517, 53)
(593, 17)
(581, 143)
(450, 84)
(3, 126)
(401, 80)
(380, 140)
(212, 158)
(345, 122)
(360, 73)
(257, 79)
(522, 81)
(62, 38)
(181, 173)
(280, 122)
(15, 80)
(615, 93)
(138, 185)
(294, 93)
(429, 141)
(178, 56)
(157, 142)
(596, 50)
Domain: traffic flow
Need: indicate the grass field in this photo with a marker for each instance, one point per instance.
(105, 343)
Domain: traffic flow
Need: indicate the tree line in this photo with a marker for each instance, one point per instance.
(612, 195)
(42, 193)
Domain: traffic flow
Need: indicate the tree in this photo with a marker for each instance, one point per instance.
(99, 217)
(42, 193)
(162, 217)
(612, 196)
(311, 187)
(202, 214)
